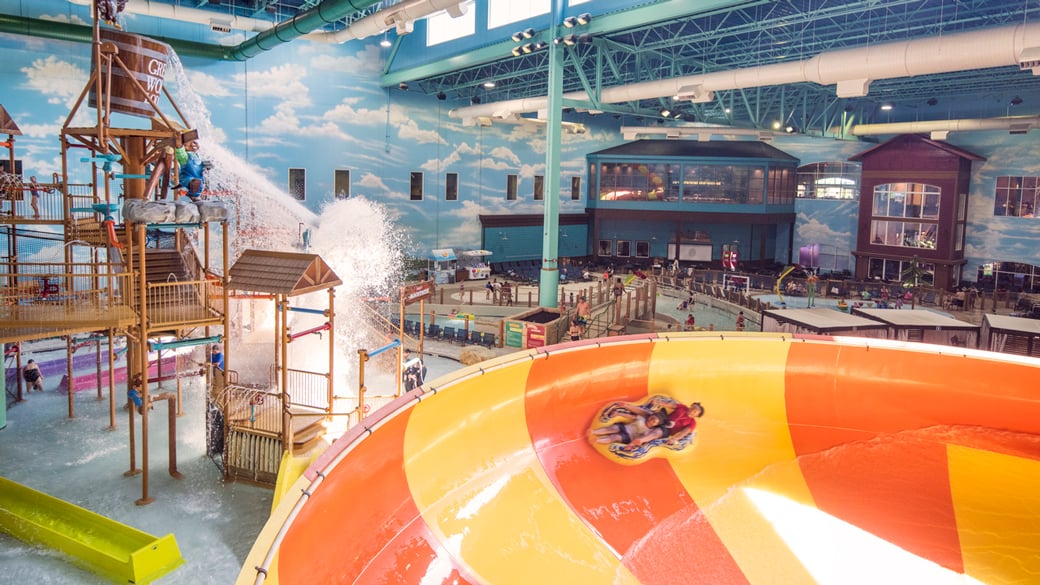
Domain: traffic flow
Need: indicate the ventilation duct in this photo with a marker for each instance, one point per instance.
(851, 70)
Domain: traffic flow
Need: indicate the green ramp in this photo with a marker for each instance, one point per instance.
(99, 544)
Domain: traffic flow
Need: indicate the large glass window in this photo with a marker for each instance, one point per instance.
(904, 234)
(905, 200)
(539, 187)
(692, 183)
(1016, 196)
(503, 12)
(829, 180)
(721, 184)
(443, 27)
(893, 270)
(782, 186)
(916, 200)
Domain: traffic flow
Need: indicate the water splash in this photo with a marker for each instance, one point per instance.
(355, 237)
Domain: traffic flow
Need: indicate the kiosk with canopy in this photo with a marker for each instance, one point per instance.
(475, 264)
(441, 265)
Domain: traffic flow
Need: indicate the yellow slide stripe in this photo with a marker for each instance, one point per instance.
(996, 499)
(753, 438)
(478, 483)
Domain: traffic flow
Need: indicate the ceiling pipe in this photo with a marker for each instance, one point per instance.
(398, 16)
(852, 70)
(50, 29)
(939, 129)
(327, 12)
(193, 15)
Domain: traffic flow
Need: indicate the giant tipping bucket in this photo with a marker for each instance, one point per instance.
(145, 62)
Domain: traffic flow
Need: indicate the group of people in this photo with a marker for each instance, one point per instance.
(660, 418)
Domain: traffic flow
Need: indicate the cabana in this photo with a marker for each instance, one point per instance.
(924, 325)
(1015, 335)
(822, 321)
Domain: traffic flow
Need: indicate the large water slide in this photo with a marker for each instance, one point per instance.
(818, 461)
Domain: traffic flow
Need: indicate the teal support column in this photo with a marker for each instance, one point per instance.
(549, 279)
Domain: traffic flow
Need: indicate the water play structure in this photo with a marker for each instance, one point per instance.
(818, 460)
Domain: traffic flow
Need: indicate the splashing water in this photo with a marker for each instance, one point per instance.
(355, 237)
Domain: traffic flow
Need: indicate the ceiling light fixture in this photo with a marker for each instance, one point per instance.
(517, 51)
(385, 43)
(489, 85)
(527, 33)
(517, 37)
(666, 112)
(1016, 100)
(584, 18)
(570, 22)
(886, 107)
(442, 96)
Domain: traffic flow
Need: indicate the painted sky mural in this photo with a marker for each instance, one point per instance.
(320, 108)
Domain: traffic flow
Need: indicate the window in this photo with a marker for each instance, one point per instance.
(896, 201)
(415, 190)
(893, 270)
(1016, 196)
(510, 187)
(298, 183)
(443, 27)
(829, 180)
(624, 248)
(575, 188)
(451, 187)
(642, 249)
(639, 182)
(539, 187)
(503, 12)
(342, 183)
(605, 247)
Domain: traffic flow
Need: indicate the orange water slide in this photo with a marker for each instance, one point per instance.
(818, 461)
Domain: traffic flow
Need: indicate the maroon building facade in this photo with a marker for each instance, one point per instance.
(913, 208)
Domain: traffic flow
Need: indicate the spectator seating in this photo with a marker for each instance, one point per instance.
(448, 334)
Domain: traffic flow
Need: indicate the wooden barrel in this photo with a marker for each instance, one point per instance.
(145, 60)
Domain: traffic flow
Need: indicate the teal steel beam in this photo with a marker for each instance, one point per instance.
(601, 24)
(549, 278)
(49, 29)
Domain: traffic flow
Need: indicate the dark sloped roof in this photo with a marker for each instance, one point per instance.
(7, 125)
(916, 138)
(695, 149)
(287, 273)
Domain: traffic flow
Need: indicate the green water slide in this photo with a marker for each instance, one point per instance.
(99, 544)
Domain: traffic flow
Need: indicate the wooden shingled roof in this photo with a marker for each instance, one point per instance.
(285, 273)
(7, 125)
